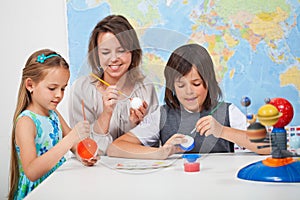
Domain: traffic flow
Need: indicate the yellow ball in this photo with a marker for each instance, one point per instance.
(268, 110)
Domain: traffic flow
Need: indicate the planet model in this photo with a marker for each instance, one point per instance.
(245, 101)
(268, 115)
(251, 118)
(136, 102)
(189, 144)
(87, 148)
(256, 132)
(284, 107)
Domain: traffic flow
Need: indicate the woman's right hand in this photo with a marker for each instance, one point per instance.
(110, 98)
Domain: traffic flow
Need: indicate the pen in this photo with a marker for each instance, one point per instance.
(107, 84)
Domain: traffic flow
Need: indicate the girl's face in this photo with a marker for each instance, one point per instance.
(114, 59)
(190, 91)
(48, 93)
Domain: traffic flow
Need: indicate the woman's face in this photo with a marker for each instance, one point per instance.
(114, 59)
(190, 91)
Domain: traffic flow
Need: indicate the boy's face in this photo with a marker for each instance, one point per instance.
(190, 91)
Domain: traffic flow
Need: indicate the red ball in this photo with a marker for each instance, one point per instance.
(87, 148)
(286, 108)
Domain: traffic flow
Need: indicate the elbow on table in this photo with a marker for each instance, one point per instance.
(112, 150)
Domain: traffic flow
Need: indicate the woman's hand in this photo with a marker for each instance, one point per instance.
(208, 125)
(137, 115)
(110, 98)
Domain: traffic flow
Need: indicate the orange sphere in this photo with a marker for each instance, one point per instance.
(87, 148)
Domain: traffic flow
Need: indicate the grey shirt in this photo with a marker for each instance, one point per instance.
(148, 131)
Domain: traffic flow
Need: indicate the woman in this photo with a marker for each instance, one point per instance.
(114, 55)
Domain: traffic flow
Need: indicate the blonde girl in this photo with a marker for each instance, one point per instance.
(40, 136)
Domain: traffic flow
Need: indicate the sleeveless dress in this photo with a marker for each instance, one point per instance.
(49, 133)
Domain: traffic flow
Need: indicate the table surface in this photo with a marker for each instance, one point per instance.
(117, 178)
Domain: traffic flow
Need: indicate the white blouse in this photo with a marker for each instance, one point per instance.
(84, 89)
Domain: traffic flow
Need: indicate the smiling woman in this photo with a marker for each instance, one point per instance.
(114, 56)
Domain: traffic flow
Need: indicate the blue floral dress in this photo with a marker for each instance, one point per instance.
(49, 133)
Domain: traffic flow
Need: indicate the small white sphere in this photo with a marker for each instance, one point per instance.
(136, 102)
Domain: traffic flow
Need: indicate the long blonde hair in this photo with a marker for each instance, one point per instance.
(36, 71)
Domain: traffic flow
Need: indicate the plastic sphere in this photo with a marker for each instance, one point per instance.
(268, 115)
(136, 102)
(286, 108)
(267, 100)
(246, 101)
(87, 148)
(251, 118)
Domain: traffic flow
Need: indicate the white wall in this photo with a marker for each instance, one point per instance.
(26, 26)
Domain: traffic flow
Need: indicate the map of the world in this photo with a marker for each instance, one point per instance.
(255, 44)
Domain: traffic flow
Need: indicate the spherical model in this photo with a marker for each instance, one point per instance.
(246, 101)
(251, 118)
(286, 108)
(268, 115)
(256, 132)
(87, 148)
(136, 103)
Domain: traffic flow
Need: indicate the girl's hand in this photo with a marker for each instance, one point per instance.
(92, 161)
(208, 125)
(82, 129)
(137, 115)
(110, 98)
(171, 146)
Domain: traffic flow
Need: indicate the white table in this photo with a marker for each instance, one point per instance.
(216, 180)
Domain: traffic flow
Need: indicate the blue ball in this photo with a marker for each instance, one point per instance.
(245, 101)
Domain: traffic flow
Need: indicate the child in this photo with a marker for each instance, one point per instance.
(40, 136)
(193, 100)
(114, 55)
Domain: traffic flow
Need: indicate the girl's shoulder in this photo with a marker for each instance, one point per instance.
(34, 116)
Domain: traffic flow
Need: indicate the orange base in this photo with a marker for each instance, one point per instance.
(277, 162)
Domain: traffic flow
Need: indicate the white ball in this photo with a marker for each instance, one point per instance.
(136, 102)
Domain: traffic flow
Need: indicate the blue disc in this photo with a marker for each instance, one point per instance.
(259, 172)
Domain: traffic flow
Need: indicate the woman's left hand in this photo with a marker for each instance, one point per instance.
(137, 115)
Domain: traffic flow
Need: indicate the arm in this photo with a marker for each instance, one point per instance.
(129, 146)
(36, 166)
(209, 126)
(84, 89)
(66, 130)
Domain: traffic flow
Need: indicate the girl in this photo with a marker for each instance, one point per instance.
(114, 55)
(40, 136)
(193, 100)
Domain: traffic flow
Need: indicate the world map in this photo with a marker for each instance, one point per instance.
(254, 44)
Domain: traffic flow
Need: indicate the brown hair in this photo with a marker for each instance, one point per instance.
(180, 63)
(36, 71)
(126, 35)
